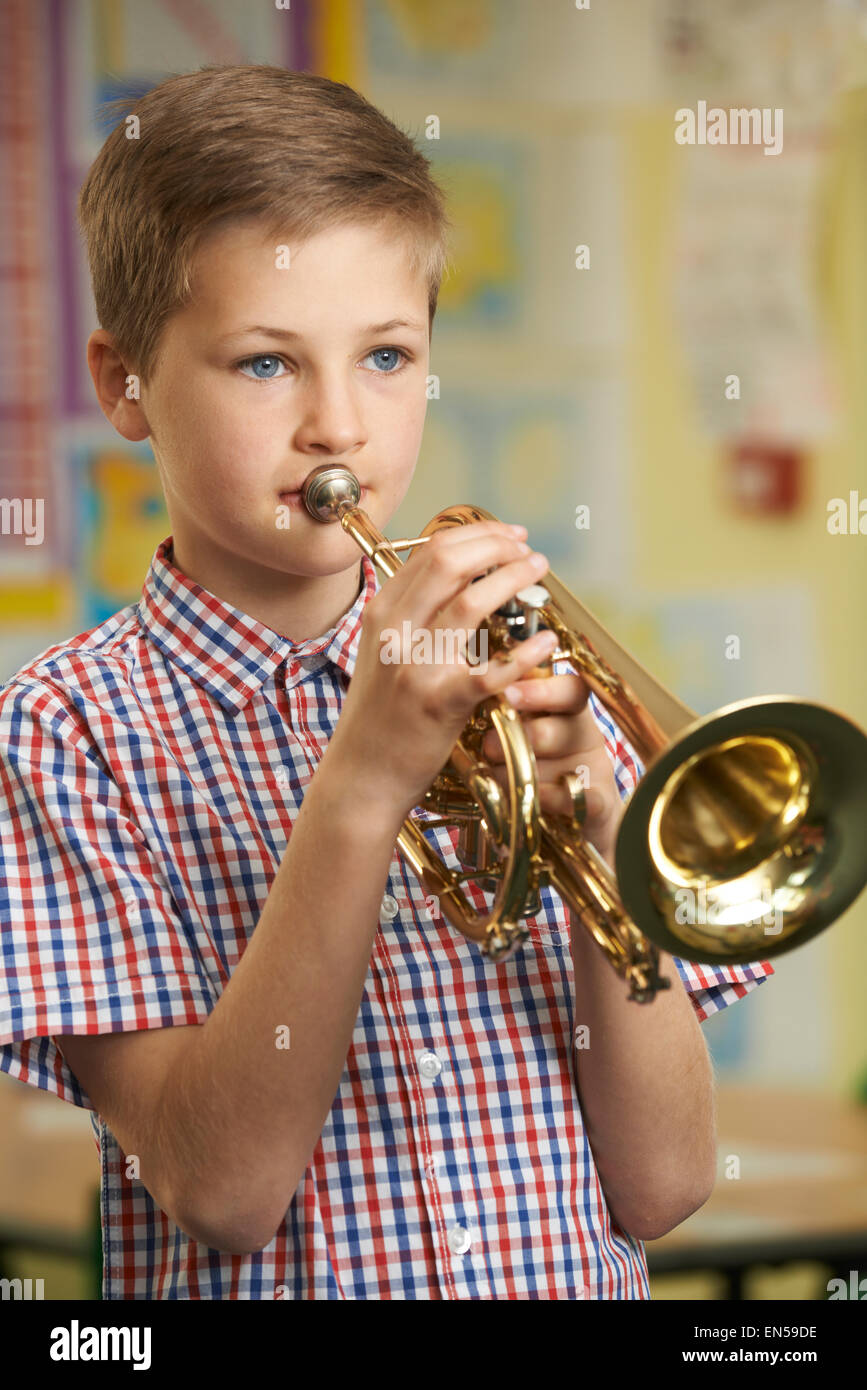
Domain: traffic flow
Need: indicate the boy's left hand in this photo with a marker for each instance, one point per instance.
(565, 737)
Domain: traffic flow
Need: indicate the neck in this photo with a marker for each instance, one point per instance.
(295, 606)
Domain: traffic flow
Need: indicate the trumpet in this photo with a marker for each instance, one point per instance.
(743, 839)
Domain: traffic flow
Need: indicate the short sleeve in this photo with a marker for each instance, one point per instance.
(713, 987)
(90, 938)
(710, 987)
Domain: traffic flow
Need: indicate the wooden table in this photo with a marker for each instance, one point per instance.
(801, 1193)
(49, 1173)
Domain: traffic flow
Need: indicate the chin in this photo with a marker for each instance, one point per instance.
(319, 561)
(308, 546)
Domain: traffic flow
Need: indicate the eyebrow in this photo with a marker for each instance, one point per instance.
(288, 335)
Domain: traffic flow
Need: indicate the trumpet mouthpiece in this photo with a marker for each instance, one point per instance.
(328, 490)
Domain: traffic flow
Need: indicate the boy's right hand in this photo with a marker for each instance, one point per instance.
(400, 720)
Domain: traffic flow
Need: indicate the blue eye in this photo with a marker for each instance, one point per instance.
(397, 359)
(267, 360)
(263, 366)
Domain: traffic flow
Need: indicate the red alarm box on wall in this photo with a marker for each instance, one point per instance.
(763, 478)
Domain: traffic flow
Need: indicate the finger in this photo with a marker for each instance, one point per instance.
(495, 538)
(457, 535)
(557, 694)
(442, 593)
(491, 676)
(551, 736)
(555, 798)
(562, 736)
(479, 599)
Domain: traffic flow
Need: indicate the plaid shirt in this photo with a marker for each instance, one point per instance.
(151, 771)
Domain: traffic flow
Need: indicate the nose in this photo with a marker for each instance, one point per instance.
(331, 421)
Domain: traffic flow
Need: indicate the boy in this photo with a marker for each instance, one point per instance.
(303, 1084)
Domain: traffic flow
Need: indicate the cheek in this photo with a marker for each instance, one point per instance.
(221, 414)
(214, 431)
(204, 465)
(193, 414)
(404, 426)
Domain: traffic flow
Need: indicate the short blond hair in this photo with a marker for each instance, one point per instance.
(298, 151)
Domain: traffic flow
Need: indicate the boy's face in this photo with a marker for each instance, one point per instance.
(239, 415)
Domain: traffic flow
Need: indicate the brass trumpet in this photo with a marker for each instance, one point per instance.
(744, 838)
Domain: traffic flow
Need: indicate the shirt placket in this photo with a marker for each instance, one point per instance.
(451, 1201)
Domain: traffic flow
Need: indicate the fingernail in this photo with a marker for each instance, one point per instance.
(518, 530)
(513, 694)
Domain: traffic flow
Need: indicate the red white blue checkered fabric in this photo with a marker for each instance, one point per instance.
(150, 774)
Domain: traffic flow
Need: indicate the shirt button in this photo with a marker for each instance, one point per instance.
(429, 1065)
(459, 1239)
(389, 907)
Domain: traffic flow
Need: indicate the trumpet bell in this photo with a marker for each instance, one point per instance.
(746, 836)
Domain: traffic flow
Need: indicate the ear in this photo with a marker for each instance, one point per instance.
(117, 388)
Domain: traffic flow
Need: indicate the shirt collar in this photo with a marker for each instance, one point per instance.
(228, 653)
